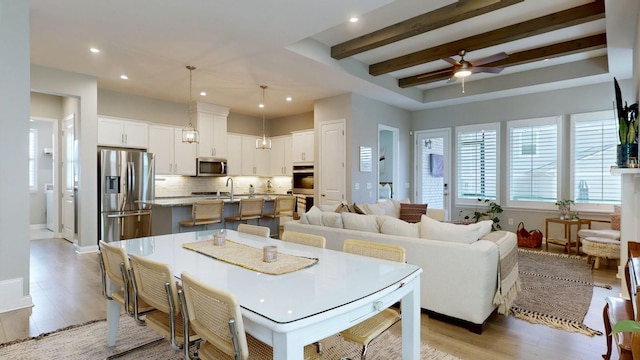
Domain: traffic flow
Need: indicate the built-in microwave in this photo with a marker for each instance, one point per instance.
(302, 179)
(206, 166)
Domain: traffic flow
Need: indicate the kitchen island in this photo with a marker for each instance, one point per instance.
(168, 212)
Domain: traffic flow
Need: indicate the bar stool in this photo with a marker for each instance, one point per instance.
(249, 209)
(283, 206)
(204, 212)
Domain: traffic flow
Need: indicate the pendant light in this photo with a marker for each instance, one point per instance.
(263, 142)
(190, 134)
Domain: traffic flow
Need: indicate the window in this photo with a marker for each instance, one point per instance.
(533, 162)
(33, 172)
(477, 170)
(593, 150)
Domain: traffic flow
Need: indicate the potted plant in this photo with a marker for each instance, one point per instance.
(564, 206)
(627, 128)
(490, 213)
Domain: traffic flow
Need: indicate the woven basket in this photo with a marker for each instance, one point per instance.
(529, 239)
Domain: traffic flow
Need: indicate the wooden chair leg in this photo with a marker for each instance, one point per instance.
(607, 331)
(597, 263)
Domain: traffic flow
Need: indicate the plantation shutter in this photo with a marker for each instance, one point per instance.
(477, 168)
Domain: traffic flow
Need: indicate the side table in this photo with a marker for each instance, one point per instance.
(566, 242)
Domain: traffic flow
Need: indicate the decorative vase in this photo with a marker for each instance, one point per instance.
(626, 151)
(565, 212)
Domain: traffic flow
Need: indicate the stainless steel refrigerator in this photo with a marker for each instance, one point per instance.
(126, 177)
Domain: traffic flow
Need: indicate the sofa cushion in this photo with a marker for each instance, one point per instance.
(392, 226)
(412, 212)
(332, 219)
(325, 208)
(366, 223)
(313, 216)
(374, 209)
(436, 230)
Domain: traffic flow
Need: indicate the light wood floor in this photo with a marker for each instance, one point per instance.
(77, 299)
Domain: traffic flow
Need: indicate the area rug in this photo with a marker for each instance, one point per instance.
(556, 291)
(89, 342)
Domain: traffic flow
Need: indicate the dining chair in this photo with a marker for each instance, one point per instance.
(304, 239)
(254, 230)
(248, 209)
(154, 283)
(215, 316)
(114, 265)
(204, 212)
(364, 332)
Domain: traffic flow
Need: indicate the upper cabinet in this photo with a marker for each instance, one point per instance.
(122, 133)
(234, 154)
(281, 150)
(211, 121)
(255, 162)
(303, 144)
(172, 156)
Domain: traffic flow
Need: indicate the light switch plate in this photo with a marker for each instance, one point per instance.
(368, 185)
(356, 186)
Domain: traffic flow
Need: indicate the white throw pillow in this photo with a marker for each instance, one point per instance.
(373, 209)
(314, 216)
(359, 222)
(485, 228)
(436, 230)
(392, 208)
(328, 207)
(332, 219)
(392, 226)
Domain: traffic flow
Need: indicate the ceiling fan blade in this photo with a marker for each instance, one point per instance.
(486, 69)
(490, 59)
(451, 61)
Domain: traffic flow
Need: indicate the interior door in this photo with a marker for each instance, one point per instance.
(68, 163)
(433, 168)
(332, 159)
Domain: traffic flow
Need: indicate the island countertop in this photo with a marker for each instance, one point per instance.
(189, 200)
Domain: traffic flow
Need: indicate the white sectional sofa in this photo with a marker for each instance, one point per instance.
(460, 277)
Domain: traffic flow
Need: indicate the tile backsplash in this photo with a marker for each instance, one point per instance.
(175, 186)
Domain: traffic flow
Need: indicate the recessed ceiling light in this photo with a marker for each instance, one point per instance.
(545, 60)
(261, 106)
(94, 50)
(124, 77)
(202, 93)
(353, 19)
(289, 98)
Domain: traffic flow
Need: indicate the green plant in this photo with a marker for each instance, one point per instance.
(490, 211)
(564, 203)
(627, 118)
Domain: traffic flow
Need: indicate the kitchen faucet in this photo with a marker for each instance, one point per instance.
(231, 194)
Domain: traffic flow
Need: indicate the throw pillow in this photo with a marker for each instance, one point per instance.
(327, 207)
(359, 222)
(314, 216)
(436, 230)
(412, 212)
(342, 208)
(485, 228)
(373, 209)
(332, 219)
(392, 208)
(353, 208)
(393, 226)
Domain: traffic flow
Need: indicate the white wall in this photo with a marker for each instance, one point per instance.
(14, 128)
(44, 166)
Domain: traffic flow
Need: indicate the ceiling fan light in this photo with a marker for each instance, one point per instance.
(462, 73)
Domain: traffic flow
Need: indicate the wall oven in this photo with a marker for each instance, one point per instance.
(302, 179)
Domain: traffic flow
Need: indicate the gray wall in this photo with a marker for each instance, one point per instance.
(128, 106)
(285, 125)
(559, 102)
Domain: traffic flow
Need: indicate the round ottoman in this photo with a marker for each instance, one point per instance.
(600, 248)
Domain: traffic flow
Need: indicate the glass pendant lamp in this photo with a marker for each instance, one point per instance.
(190, 135)
(263, 142)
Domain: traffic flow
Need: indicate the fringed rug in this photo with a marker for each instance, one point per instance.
(89, 342)
(556, 291)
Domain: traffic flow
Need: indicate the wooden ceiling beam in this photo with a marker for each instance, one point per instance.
(447, 15)
(523, 57)
(563, 19)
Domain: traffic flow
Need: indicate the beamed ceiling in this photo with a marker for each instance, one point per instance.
(394, 54)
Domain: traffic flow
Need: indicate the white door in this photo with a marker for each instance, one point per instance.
(68, 164)
(332, 163)
(432, 168)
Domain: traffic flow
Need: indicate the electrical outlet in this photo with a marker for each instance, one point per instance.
(510, 221)
(370, 194)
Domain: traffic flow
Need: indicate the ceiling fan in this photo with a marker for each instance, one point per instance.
(463, 68)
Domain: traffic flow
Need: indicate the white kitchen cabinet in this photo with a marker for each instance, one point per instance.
(172, 156)
(211, 121)
(234, 154)
(255, 162)
(303, 144)
(281, 159)
(122, 133)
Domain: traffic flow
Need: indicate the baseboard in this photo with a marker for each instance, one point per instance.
(37, 226)
(93, 249)
(11, 297)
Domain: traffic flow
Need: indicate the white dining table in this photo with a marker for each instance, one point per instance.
(292, 310)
